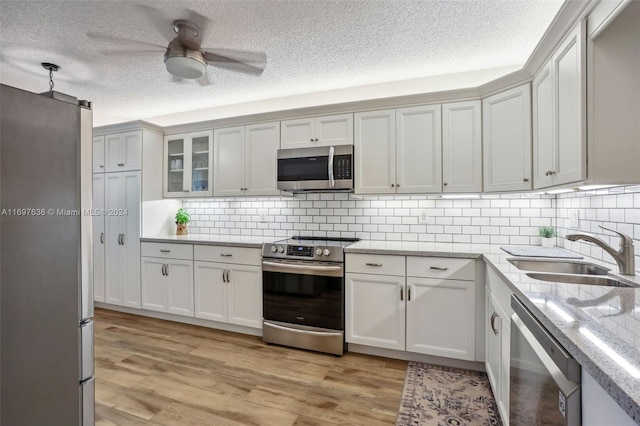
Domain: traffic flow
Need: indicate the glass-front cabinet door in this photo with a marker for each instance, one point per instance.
(188, 160)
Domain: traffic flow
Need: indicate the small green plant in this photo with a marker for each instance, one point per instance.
(548, 231)
(182, 216)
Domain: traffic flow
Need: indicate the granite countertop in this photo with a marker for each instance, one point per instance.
(573, 313)
(212, 240)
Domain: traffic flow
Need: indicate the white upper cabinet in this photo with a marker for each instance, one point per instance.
(558, 115)
(98, 154)
(187, 165)
(507, 140)
(398, 151)
(419, 149)
(375, 152)
(462, 147)
(246, 160)
(317, 131)
(123, 151)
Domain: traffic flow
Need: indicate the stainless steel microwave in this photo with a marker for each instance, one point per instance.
(317, 169)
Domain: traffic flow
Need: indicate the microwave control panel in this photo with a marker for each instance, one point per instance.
(342, 167)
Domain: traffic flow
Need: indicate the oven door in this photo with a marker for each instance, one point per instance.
(303, 293)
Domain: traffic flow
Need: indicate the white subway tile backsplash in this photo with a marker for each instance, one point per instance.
(498, 219)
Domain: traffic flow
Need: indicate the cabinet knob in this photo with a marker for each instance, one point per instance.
(397, 185)
(393, 185)
(311, 140)
(446, 183)
(525, 179)
(186, 190)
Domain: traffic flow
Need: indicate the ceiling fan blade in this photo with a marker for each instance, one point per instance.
(244, 61)
(121, 40)
(128, 52)
(162, 23)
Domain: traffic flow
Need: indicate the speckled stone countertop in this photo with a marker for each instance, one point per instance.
(611, 314)
(212, 240)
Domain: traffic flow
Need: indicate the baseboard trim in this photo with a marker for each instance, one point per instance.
(185, 320)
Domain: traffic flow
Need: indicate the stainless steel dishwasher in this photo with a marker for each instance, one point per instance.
(544, 380)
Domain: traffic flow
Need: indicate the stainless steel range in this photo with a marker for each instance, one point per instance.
(303, 293)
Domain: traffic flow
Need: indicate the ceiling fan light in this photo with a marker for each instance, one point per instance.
(185, 67)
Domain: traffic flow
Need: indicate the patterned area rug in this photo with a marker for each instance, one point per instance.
(443, 396)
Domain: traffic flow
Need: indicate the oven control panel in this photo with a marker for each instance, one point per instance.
(305, 251)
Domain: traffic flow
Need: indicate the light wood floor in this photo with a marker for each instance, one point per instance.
(154, 372)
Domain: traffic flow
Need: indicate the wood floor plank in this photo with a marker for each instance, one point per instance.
(155, 372)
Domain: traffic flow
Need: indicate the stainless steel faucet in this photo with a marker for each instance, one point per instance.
(625, 257)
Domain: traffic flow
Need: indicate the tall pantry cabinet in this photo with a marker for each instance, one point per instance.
(127, 182)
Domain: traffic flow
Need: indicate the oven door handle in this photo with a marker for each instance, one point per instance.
(299, 331)
(293, 268)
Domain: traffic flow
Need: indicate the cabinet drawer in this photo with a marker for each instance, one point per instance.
(239, 255)
(167, 250)
(375, 264)
(441, 267)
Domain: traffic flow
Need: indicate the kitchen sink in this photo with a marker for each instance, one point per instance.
(562, 267)
(580, 279)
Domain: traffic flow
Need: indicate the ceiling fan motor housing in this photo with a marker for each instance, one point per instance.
(184, 57)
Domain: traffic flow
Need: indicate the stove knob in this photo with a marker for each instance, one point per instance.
(326, 252)
(280, 249)
(274, 249)
(318, 252)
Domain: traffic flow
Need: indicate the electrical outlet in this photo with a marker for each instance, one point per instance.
(574, 219)
(423, 217)
(263, 215)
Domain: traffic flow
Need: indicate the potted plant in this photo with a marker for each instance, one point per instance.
(182, 219)
(547, 233)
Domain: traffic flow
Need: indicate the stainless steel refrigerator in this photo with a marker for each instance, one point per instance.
(46, 300)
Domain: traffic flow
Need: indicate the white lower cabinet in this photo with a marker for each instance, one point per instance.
(432, 311)
(167, 285)
(228, 292)
(497, 340)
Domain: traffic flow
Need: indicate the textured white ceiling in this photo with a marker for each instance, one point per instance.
(312, 46)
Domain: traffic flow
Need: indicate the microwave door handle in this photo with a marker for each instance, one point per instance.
(332, 181)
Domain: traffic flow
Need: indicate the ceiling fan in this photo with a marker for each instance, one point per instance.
(184, 57)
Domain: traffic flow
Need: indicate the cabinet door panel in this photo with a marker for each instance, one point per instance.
(210, 291)
(493, 349)
(98, 154)
(229, 161)
(261, 157)
(334, 130)
(180, 287)
(132, 151)
(297, 133)
(98, 231)
(543, 128)
(507, 140)
(114, 225)
(419, 149)
(154, 294)
(130, 260)
(375, 310)
(461, 147)
(569, 108)
(245, 295)
(175, 180)
(114, 148)
(441, 317)
(375, 152)
(200, 162)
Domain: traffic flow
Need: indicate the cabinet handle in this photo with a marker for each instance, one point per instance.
(525, 179)
(122, 239)
(185, 190)
(439, 268)
(409, 293)
(493, 318)
(228, 279)
(102, 166)
(120, 164)
(102, 238)
(119, 239)
(445, 183)
(373, 264)
(162, 270)
(165, 251)
(401, 293)
(166, 269)
(226, 254)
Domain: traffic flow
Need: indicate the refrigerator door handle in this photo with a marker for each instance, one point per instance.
(88, 398)
(87, 369)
